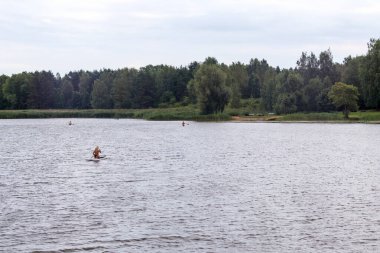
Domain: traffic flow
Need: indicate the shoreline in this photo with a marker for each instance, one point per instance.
(247, 119)
(191, 114)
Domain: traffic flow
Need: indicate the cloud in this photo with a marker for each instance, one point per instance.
(64, 35)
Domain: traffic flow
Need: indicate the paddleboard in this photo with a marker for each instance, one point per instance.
(102, 157)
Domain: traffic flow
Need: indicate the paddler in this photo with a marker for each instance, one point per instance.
(96, 152)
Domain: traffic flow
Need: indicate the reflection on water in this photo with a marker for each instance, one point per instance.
(205, 187)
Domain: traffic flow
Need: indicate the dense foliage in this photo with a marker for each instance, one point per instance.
(210, 85)
(344, 97)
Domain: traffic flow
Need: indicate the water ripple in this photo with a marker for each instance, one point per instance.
(206, 187)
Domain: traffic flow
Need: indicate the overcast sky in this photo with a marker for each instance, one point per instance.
(64, 35)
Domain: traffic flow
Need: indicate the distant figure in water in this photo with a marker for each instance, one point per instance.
(70, 123)
(183, 123)
(96, 152)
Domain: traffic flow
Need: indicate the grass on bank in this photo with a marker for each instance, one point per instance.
(175, 113)
(361, 116)
(366, 116)
(191, 113)
(322, 116)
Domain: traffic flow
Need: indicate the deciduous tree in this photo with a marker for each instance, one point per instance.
(344, 97)
(211, 89)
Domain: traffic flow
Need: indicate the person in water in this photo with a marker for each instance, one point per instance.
(183, 123)
(96, 152)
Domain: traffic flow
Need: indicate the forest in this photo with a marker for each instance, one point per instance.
(209, 84)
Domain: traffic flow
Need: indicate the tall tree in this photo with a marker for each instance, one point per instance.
(16, 90)
(211, 60)
(191, 92)
(287, 95)
(144, 90)
(165, 82)
(268, 90)
(256, 77)
(3, 102)
(239, 81)
(351, 70)
(308, 66)
(312, 94)
(289, 82)
(370, 75)
(182, 77)
(100, 96)
(351, 74)
(34, 96)
(67, 94)
(74, 78)
(211, 89)
(85, 88)
(41, 90)
(327, 67)
(122, 88)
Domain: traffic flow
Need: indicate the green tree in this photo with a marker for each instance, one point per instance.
(34, 96)
(183, 76)
(100, 96)
(327, 68)
(370, 75)
(287, 92)
(344, 97)
(351, 74)
(58, 96)
(324, 103)
(211, 61)
(41, 90)
(286, 103)
(351, 68)
(3, 102)
(289, 82)
(16, 90)
(256, 77)
(122, 88)
(144, 89)
(77, 100)
(47, 80)
(190, 88)
(211, 89)
(235, 96)
(239, 81)
(168, 84)
(85, 85)
(312, 93)
(308, 66)
(67, 94)
(268, 90)
(74, 78)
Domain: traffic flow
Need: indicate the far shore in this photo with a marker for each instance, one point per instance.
(281, 119)
(192, 114)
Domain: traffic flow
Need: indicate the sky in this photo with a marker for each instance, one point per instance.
(71, 35)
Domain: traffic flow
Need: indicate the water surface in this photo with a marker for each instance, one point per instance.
(205, 187)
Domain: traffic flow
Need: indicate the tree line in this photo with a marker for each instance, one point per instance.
(210, 84)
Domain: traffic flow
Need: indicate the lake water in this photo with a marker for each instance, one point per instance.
(205, 187)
